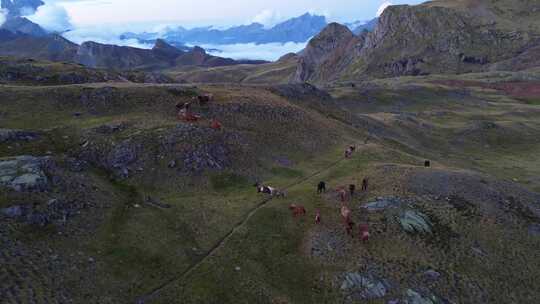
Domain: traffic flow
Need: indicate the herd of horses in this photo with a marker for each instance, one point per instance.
(345, 212)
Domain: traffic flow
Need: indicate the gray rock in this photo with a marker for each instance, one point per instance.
(9, 135)
(172, 164)
(364, 287)
(414, 297)
(432, 275)
(12, 212)
(383, 203)
(24, 173)
(534, 229)
(414, 221)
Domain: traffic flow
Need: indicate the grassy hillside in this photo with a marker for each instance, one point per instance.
(145, 208)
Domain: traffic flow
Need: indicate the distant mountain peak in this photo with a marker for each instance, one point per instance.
(17, 8)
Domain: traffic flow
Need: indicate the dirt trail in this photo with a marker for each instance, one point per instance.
(149, 296)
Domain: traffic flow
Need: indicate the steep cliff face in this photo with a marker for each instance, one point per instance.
(446, 36)
(327, 54)
(432, 39)
(94, 54)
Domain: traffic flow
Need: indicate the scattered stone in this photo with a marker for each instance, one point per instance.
(111, 128)
(413, 297)
(237, 268)
(364, 287)
(383, 203)
(534, 229)
(10, 135)
(91, 260)
(432, 275)
(24, 173)
(13, 211)
(172, 164)
(414, 221)
(76, 165)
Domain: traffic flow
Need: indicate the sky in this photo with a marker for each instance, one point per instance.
(206, 12)
(105, 20)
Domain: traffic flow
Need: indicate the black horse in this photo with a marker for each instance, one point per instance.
(321, 187)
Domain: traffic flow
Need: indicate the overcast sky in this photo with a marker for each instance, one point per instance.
(218, 12)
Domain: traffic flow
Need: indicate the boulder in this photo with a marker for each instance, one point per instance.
(9, 135)
(24, 173)
(364, 286)
(534, 229)
(13, 211)
(414, 297)
(383, 203)
(414, 221)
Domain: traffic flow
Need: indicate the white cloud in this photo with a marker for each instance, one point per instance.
(383, 7)
(103, 34)
(52, 17)
(3, 15)
(268, 18)
(267, 51)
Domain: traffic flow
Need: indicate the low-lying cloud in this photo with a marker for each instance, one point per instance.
(105, 35)
(267, 51)
(3, 15)
(52, 17)
(383, 7)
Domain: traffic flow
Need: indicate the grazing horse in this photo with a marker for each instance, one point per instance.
(346, 215)
(363, 231)
(349, 151)
(205, 99)
(269, 190)
(365, 184)
(342, 194)
(297, 210)
(215, 124)
(321, 187)
(352, 188)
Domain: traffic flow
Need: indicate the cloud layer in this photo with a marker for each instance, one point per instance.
(267, 51)
(52, 17)
(383, 7)
(3, 16)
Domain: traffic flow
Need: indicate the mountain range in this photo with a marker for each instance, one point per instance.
(17, 8)
(298, 29)
(54, 47)
(437, 37)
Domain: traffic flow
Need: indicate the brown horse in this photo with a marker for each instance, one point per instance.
(346, 215)
(364, 233)
(297, 210)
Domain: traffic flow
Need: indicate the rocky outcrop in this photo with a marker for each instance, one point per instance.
(327, 54)
(25, 173)
(437, 37)
(10, 135)
(23, 25)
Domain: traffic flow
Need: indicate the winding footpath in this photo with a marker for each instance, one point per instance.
(181, 276)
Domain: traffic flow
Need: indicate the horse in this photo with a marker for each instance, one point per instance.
(342, 194)
(346, 216)
(352, 188)
(349, 151)
(297, 210)
(427, 164)
(270, 190)
(215, 124)
(205, 99)
(321, 187)
(365, 184)
(317, 216)
(363, 231)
